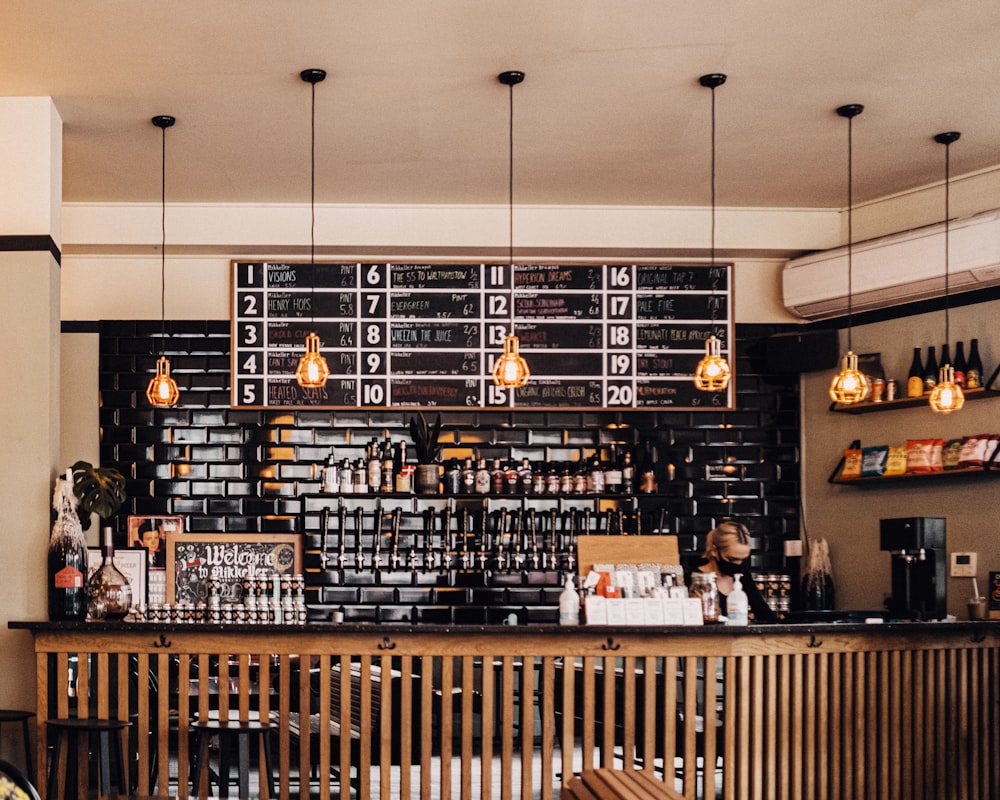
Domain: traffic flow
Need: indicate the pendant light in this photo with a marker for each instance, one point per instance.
(712, 373)
(510, 371)
(850, 385)
(312, 370)
(947, 396)
(162, 391)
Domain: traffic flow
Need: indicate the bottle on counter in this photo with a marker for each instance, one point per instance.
(930, 370)
(737, 604)
(67, 557)
(569, 604)
(109, 594)
(960, 364)
(915, 377)
(974, 370)
(703, 586)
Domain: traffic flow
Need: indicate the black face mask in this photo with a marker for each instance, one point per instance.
(728, 568)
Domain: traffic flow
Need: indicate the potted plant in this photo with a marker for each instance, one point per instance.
(99, 490)
(425, 437)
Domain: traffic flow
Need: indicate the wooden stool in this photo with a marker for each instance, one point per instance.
(228, 731)
(616, 784)
(13, 715)
(76, 731)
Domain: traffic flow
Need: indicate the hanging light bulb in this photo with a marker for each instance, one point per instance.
(850, 385)
(947, 396)
(312, 371)
(712, 373)
(162, 391)
(510, 371)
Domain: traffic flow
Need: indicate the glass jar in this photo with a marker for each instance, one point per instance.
(109, 595)
(703, 586)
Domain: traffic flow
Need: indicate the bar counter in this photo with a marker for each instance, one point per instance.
(836, 710)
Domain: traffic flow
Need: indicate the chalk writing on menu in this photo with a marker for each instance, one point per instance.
(416, 335)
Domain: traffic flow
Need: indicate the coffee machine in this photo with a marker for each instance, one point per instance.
(917, 547)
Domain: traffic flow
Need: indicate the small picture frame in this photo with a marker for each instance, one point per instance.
(153, 533)
(131, 562)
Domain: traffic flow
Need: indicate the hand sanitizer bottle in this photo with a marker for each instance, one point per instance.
(569, 604)
(737, 604)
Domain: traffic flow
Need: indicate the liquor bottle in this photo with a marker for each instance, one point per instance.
(960, 364)
(613, 473)
(525, 477)
(498, 478)
(915, 377)
(346, 477)
(930, 370)
(388, 467)
(360, 477)
(595, 482)
(330, 478)
(374, 467)
(974, 369)
(945, 354)
(468, 477)
(512, 478)
(453, 477)
(482, 478)
(109, 595)
(647, 469)
(403, 471)
(67, 557)
(628, 473)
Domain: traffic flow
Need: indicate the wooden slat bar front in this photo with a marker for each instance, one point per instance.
(835, 711)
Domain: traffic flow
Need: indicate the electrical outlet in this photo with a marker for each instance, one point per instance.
(963, 565)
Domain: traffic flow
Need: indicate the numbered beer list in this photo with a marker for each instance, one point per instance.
(594, 336)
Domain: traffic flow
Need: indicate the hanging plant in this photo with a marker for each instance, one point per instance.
(99, 490)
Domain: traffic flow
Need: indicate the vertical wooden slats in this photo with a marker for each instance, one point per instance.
(867, 720)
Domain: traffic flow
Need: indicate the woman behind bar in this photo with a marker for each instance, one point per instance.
(727, 554)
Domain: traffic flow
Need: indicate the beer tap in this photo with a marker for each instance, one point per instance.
(377, 537)
(518, 560)
(466, 554)
(324, 525)
(429, 555)
(394, 558)
(484, 535)
(501, 533)
(570, 543)
(359, 558)
(533, 528)
(447, 543)
(341, 533)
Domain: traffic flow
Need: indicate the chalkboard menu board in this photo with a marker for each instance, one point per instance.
(595, 336)
(226, 559)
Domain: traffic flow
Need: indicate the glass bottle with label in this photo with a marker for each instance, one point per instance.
(482, 479)
(915, 377)
(960, 364)
(974, 371)
(704, 587)
(930, 370)
(67, 557)
(109, 594)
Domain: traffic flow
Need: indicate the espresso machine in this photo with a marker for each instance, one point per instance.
(917, 547)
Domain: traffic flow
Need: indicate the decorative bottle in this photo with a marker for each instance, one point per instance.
(974, 370)
(960, 364)
(109, 595)
(930, 370)
(915, 377)
(67, 556)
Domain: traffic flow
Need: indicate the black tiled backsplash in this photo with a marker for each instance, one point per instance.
(246, 470)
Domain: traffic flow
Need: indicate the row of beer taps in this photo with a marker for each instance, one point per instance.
(502, 540)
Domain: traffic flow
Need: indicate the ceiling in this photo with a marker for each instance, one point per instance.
(611, 112)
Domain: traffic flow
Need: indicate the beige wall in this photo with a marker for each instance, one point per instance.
(848, 517)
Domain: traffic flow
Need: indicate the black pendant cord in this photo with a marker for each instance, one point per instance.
(850, 233)
(510, 201)
(947, 225)
(312, 183)
(712, 192)
(163, 237)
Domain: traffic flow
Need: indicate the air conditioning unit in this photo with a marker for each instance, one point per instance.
(895, 269)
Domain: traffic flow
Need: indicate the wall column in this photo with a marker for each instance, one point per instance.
(30, 242)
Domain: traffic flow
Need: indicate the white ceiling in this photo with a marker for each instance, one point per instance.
(610, 112)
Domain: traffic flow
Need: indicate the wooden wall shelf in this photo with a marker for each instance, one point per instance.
(906, 402)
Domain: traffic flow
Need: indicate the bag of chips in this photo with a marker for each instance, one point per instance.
(895, 464)
(873, 460)
(924, 455)
(951, 454)
(976, 450)
(852, 464)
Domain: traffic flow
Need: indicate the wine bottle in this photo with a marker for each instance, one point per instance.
(109, 594)
(915, 378)
(945, 354)
(930, 370)
(974, 369)
(67, 557)
(960, 364)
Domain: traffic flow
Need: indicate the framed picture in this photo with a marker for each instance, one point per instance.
(131, 562)
(197, 560)
(153, 533)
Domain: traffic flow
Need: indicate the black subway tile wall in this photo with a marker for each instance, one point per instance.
(253, 471)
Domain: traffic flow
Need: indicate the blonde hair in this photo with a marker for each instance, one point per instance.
(726, 533)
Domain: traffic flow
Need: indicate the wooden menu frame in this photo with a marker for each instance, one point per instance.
(194, 559)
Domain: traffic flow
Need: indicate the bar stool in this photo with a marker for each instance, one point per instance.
(13, 715)
(230, 732)
(76, 732)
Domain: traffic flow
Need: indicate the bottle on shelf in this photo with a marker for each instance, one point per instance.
(974, 369)
(647, 470)
(915, 377)
(330, 477)
(595, 481)
(109, 594)
(628, 473)
(482, 480)
(374, 467)
(945, 354)
(67, 557)
(960, 364)
(360, 477)
(498, 477)
(930, 370)
(388, 467)
(346, 477)
(512, 479)
(468, 477)
(525, 477)
(453, 477)
(613, 473)
(403, 471)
